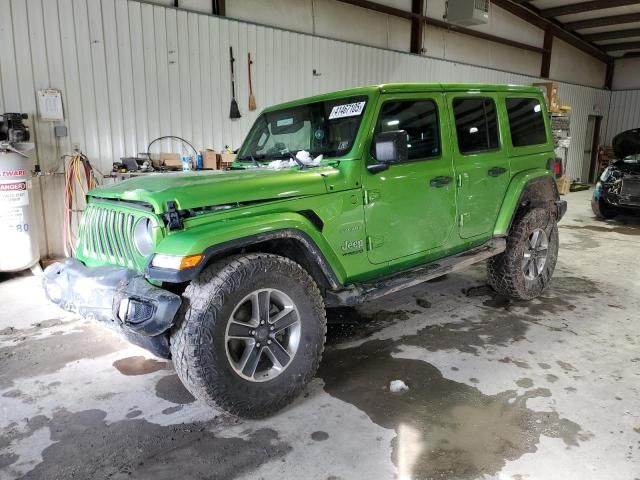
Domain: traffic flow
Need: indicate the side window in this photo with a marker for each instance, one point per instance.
(526, 122)
(419, 119)
(476, 124)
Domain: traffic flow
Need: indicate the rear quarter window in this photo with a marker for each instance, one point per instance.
(526, 122)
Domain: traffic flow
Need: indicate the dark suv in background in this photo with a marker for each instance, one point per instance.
(618, 190)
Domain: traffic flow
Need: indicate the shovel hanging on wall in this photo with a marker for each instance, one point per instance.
(234, 111)
(252, 98)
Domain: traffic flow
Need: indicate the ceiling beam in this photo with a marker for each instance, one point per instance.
(484, 36)
(530, 15)
(377, 7)
(523, 12)
(585, 7)
(616, 47)
(603, 21)
(596, 37)
(396, 12)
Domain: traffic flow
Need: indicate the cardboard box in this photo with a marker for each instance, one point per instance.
(171, 160)
(210, 159)
(225, 160)
(550, 90)
(564, 184)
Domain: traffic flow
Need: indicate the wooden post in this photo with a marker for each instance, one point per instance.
(417, 26)
(546, 55)
(608, 78)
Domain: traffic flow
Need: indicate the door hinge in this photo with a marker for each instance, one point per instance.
(374, 241)
(370, 196)
(461, 220)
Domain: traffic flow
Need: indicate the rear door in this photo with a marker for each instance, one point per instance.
(480, 160)
(410, 208)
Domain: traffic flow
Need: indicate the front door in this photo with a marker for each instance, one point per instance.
(410, 208)
(481, 163)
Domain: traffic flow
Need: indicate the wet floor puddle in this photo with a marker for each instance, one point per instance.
(444, 429)
(447, 429)
(86, 446)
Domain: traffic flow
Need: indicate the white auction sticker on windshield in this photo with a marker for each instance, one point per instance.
(348, 110)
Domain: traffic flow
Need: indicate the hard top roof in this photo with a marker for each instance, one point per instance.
(411, 88)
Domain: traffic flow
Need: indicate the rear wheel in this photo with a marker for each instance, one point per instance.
(251, 334)
(525, 268)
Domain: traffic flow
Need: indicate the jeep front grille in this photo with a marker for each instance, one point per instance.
(107, 236)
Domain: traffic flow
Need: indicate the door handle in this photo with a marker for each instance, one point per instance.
(440, 181)
(497, 171)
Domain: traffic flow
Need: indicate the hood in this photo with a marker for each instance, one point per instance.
(627, 143)
(201, 189)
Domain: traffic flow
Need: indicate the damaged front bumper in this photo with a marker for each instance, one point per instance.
(117, 297)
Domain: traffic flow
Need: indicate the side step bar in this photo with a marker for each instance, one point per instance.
(359, 293)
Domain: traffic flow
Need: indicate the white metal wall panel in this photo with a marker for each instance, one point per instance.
(624, 112)
(584, 101)
(131, 71)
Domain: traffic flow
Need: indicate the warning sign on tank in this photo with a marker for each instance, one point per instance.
(14, 194)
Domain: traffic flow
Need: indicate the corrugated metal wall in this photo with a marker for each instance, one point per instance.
(130, 72)
(624, 112)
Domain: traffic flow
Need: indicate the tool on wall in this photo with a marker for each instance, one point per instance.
(235, 111)
(252, 98)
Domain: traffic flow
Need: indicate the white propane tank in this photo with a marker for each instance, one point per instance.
(19, 249)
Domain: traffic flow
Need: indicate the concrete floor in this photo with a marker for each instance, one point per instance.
(547, 389)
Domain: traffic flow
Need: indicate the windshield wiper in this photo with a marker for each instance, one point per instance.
(249, 157)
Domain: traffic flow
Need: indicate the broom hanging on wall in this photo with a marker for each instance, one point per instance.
(252, 98)
(234, 111)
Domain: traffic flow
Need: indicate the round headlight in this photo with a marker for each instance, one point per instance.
(143, 236)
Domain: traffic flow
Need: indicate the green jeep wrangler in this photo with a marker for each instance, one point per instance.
(333, 200)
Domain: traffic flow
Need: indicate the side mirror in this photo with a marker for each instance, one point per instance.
(390, 147)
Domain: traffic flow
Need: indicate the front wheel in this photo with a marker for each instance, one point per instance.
(525, 268)
(601, 209)
(250, 334)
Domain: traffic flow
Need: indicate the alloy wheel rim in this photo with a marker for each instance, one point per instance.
(262, 335)
(535, 254)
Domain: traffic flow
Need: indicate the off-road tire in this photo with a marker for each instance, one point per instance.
(602, 210)
(198, 340)
(505, 271)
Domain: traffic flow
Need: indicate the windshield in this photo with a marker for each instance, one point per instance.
(323, 128)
